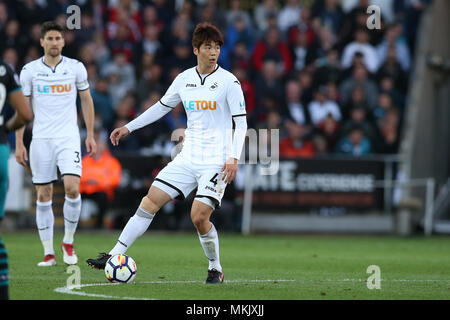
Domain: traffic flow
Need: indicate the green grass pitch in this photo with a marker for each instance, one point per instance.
(172, 266)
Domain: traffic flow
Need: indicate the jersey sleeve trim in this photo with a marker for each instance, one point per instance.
(83, 89)
(239, 115)
(165, 105)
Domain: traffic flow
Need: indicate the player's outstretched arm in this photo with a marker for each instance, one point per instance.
(118, 134)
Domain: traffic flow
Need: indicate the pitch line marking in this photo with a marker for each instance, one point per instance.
(67, 290)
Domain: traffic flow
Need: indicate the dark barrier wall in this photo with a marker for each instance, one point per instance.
(298, 184)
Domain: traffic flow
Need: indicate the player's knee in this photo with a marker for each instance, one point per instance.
(199, 217)
(149, 205)
(44, 193)
(72, 191)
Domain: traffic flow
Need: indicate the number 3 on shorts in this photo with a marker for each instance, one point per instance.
(77, 160)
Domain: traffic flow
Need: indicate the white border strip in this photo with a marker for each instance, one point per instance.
(67, 290)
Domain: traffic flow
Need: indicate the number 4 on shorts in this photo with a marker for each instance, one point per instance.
(214, 179)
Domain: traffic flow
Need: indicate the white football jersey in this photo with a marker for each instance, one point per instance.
(53, 92)
(210, 101)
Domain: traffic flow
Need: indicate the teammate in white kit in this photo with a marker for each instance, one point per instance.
(213, 101)
(51, 84)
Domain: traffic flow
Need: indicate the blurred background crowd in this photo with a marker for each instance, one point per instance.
(311, 69)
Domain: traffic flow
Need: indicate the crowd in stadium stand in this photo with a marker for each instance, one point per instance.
(311, 69)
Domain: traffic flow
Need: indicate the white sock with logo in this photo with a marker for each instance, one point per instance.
(134, 228)
(71, 212)
(210, 244)
(45, 221)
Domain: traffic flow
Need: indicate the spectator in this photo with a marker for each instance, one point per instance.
(303, 24)
(30, 12)
(237, 31)
(331, 15)
(121, 76)
(356, 19)
(235, 12)
(32, 53)
(11, 57)
(320, 144)
(296, 145)
(294, 109)
(125, 109)
(240, 57)
(122, 33)
(150, 81)
(288, 15)
(387, 85)
(150, 17)
(101, 176)
(268, 103)
(329, 129)
(333, 92)
(273, 48)
(328, 69)
(393, 69)
(87, 32)
(149, 44)
(269, 81)
(361, 44)
(354, 143)
(392, 40)
(358, 100)
(321, 107)
(103, 102)
(182, 55)
(302, 54)
(261, 12)
(384, 104)
(306, 83)
(247, 87)
(210, 12)
(3, 16)
(11, 37)
(388, 126)
(359, 118)
(326, 40)
(93, 74)
(359, 78)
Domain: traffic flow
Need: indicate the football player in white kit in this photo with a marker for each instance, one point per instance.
(51, 84)
(213, 101)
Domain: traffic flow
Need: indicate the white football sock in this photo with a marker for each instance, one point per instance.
(45, 221)
(134, 228)
(71, 212)
(210, 244)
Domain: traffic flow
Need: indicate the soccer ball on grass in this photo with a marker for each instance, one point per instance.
(120, 268)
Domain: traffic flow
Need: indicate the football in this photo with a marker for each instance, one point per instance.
(120, 268)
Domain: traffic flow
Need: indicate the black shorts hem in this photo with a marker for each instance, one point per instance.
(180, 194)
(70, 174)
(214, 200)
(44, 183)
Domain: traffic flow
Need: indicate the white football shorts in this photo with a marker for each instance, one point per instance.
(180, 177)
(48, 155)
